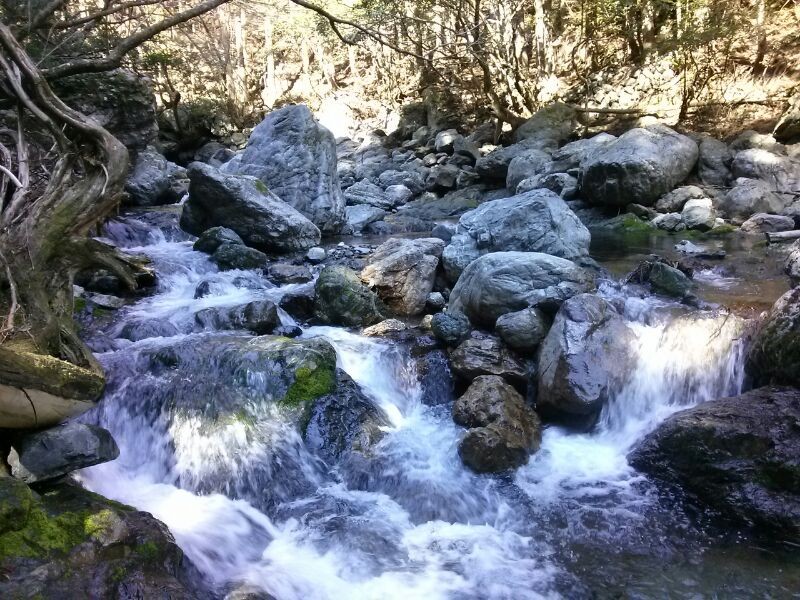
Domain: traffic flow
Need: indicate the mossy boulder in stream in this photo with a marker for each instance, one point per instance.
(774, 355)
(66, 542)
(341, 299)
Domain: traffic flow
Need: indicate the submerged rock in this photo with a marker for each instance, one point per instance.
(52, 453)
(774, 355)
(341, 299)
(503, 430)
(585, 357)
(738, 455)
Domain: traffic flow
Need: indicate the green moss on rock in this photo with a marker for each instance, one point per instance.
(310, 384)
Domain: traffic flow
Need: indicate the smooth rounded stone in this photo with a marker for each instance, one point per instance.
(792, 265)
(283, 274)
(714, 161)
(669, 222)
(150, 180)
(343, 422)
(699, 214)
(563, 184)
(444, 232)
(243, 204)
(316, 255)
(525, 166)
(358, 217)
(385, 328)
(402, 272)
(503, 430)
(398, 194)
(570, 156)
(486, 355)
(738, 455)
(763, 223)
(52, 453)
(435, 302)
(366, 193)
(450, 327)
(295, 157)
(774, 354)
(584, 358)
(675, 200)
(213, 238)
(504, 282)
(639, 167)
(494, 166)
(410, 179)
(300, 304)
(147, 328)
(341, 299)
(235, 256)
(669, 280)
(523, 330)
(536, 221)
(556, 122)
(780, 173)
(445, 140)
(747, 197)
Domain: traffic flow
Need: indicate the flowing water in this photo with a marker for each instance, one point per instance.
(251, 506)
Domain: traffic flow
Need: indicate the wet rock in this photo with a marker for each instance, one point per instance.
(523, 330)
(747, 197)
(435, 302)
(71, 543)
(213, 238)
(536, 221)
(584, 358)
(358, 217)
(343, 422)
(300, 304)
(762, 223)
(147, 328)
(738, 455)
(289, 331)
(486, 355)
(202, 290)
(52, 453)
(402, 273)
(259, 316)
(450, 327)
(526, 166)
(244, 205)
(774, 355)
(698, 213)
(235, 256)
(503, 430)
(675, 200)
(714, 161)
(505, 282)
(295, 157)
(669, 280)
(435, 378)
(341, 299)
(284, 273)
(150, 182)
(640, 166)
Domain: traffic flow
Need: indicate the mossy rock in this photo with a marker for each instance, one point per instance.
(49, 374)
(342, 299)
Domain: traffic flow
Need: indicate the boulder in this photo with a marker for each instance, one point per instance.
(780, 173)
(503, 430)
(143, 329)
(445, 140)
(737, 455)
(260, 317)
(366, 193)
(283, 273)
(358, 217)
(295, 157)
(763, 223)
(563, 184)
(242, 204)
(152, 180)
(747, 197)
(699, 213)
(774, 354)
(494, 166)
(450, 327)
(213, 238)
(442, 178)
(639, 167)
(668, 280)
(675, 200)
(235, 256)
(536, 221)
(525, 166)
(435, 378)
(556, 122)
(341, 299)
(52, 453)
(523, 330)
(486, 355)
(504, 282)
(570, 156)
(412, 180)
(584, 358)
(398, 194)
(669, 222)
(714, 161)
(402, 273)
(793, 263)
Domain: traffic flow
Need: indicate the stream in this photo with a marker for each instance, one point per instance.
(253, 508)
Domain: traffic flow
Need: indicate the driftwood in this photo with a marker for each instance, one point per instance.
(782, 236)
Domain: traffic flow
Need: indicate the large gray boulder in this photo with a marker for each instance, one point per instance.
(781, 173)
(402, 273)
(774, 354)
(536, 221)
(570, 156)
(154, 180)
(638, 168)
(503, 431)
(747, 197)
(365, 192)
(714, 162)
(53, 453)
(503, 282)
(738, 455)
(243, 205)
(584, 358)
(699, 213)
(295, 157)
